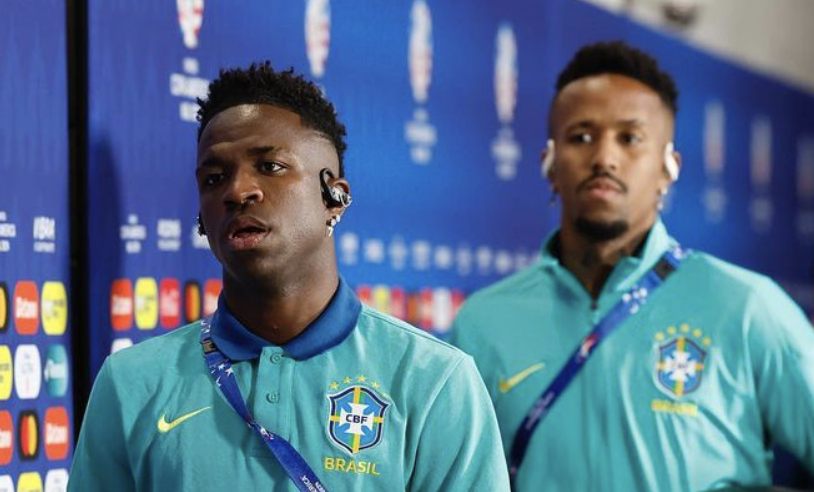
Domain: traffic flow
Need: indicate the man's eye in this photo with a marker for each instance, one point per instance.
(212, 179)
(580, 138)
(270, 167)
(631, 138)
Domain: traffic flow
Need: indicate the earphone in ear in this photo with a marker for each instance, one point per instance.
(201, 229)
(670, 162)
(334, 196)
(548, 160)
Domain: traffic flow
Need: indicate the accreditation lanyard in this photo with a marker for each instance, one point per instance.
(220, 367)
(630, 304)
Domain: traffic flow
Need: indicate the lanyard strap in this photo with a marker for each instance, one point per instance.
(630, 304)
(220, 368)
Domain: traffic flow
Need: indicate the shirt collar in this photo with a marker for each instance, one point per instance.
(630, 268)
(330, 328)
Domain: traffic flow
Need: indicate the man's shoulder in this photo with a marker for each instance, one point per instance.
(526, 283)
(161, 351)
(719, 273)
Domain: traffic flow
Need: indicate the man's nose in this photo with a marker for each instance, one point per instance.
(243, 189)
(606, 157)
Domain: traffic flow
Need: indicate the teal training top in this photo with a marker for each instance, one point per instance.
(156, 422)
(688, 394)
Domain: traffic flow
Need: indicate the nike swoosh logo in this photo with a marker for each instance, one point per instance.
(505, 385)
(164, 426)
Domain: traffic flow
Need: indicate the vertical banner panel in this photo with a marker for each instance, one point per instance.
(36, 422)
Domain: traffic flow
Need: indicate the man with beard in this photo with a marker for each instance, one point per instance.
(292, 384)
(619, 361)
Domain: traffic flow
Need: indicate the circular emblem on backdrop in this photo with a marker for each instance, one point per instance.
(29, 482)
(56, 434)
(317, 34)
(6, 373)
(26, 307)
(121, 304)
(4, 308)
(6, 438)
(27, 372)
(56, 370)
(28, 439)
(54, 308)
(146, 297)
(190, 20)
(56, 480)
(192, 301)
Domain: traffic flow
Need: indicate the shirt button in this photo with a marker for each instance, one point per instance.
(276, 357)
(273, 397)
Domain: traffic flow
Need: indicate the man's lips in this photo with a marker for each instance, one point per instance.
(245, 232)
(603, 184)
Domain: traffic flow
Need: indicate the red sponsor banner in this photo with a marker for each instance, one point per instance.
(212, 289)
(121, 304)
(414, 308)
(426, 310)
(192, 301)
(365, 294)
(6, 438)
(169, 302)
(458, 298)
(56, 434)
(398, 303)
(26, 307)
(28, 438)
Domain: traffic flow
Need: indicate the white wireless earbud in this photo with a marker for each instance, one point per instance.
(670, 163)
(548, 161)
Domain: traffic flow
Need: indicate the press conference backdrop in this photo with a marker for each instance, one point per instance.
(445, 106)
(36, 434)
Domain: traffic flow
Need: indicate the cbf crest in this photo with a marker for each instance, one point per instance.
(356, 420)
(682, 355)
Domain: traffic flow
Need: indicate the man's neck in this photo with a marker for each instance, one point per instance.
(279, 314)
(592, 262)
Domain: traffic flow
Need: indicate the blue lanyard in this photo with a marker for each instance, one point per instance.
(630, 304)
(221, 370)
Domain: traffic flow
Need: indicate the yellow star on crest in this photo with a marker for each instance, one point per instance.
(347, 380)
(361, 379)
(334, 385)
(376, 385)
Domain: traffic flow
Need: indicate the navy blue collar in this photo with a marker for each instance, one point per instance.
(332, 326)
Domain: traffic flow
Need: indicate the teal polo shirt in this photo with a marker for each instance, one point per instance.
(156, 422)
(688, 394)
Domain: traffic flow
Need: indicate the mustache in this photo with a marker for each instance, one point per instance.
(602, 174)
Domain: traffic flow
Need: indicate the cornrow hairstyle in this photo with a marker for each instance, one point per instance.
(618, 57)
(260, 84)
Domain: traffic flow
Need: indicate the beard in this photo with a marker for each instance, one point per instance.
(600, 232)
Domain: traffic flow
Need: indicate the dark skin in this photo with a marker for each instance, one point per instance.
(610, 133)
(262, 208)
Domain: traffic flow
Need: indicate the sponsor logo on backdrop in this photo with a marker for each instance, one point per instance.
(374, 251)
(398, 303)
(26, 307)
(4, 308)
(422, 254)
(483, 260)
(190, 20)
(349, 248)
(443, 258)
(27, 372)
(715, 196)
(55, 372)
(192, 301)
(6, 438)
(441, 310)
(56, 480)
(168, 232)
(317, 34)
(761, 209)
(8, 231)
(170, 302)
(381, 298)
(56, 433)
(197, 241)
(132, 234)
(120, 344)
(28, 439)
(29, 482)
(146, 299)
(805, 188)
(45, 234)
(419, 132)
(121, 304)
(6, 483)
(54, 308)
(365, 294)
(505, 149)
(398, 253)
(212, 289)
(187, 86)
(464, 259)
(6, 373)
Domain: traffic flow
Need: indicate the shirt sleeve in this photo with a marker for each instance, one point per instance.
(100, 460)
(781, 346)
(460, 448)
